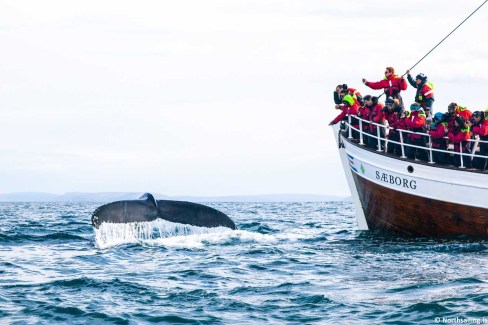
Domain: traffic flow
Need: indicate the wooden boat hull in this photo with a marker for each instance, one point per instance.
(387, 210)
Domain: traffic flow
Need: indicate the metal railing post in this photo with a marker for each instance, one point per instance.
(461, 155)
(431, 159)
(401, 145)
(473, 148)
(361, 132)
(378, 135)
(350, 130)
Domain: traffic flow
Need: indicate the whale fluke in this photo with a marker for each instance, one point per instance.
(193, 214)
(146, 208)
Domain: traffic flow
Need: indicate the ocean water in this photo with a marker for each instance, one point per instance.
(289, 263)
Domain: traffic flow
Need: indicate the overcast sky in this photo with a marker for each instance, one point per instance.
(209, 97)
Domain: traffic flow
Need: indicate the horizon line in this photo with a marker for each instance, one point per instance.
(170, 195)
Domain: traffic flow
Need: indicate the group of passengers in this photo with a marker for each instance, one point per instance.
(456, 126)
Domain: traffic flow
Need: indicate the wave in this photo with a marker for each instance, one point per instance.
(316, 299)
(461, 282)
(461, 248)
(258, 227)
(53, 313)
(58, 236)
(114, 285)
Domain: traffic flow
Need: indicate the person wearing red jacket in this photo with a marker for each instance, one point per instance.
(364, 114)
(349, 107)
(351, 91)
(425, 91)
(480, 127)
(415, 122)
(438, 130)
(391, 84)
(458, 136)
(395, 123)
(451, 117)
(461, 111)
(376, 116)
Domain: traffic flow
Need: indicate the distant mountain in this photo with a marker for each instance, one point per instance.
(116, 196)
(28, 197)
(262, 198)
(100, 197)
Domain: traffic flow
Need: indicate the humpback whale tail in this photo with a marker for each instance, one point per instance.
(146, 208)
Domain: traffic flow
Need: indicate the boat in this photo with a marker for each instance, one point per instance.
(394, 194)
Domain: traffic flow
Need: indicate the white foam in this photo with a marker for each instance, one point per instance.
(216, 238)
(164, 233)
(113, 234)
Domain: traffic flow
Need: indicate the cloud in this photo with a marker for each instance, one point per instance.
(207, 98)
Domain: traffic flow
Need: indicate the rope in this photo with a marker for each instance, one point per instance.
(447, 36)
(440, 42)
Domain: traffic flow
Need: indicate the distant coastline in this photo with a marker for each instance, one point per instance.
(114, 196)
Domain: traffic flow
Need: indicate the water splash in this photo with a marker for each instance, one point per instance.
(114, 234)
(164, 233)
(223, 237)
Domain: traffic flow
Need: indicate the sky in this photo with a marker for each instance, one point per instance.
(210, 97)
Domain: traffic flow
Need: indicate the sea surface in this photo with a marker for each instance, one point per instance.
(289, 263)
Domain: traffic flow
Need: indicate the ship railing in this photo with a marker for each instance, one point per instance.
(402, 143)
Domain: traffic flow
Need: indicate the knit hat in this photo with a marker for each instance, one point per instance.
(415, 107)
(421, 76)
(480, 114)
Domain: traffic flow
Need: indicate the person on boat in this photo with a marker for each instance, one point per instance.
(415, 121)
(400, 125)
(351, 91)
(425, 92)
(356, 95)
(391, 84)
(364, 113)
(451, 116)
(464, 112)
(438, 130)
(340, 95)
(337, 94)
(376, 116)
(390, 119)
(480, 127)
(393, 115)
(458, 136)
(349, 107)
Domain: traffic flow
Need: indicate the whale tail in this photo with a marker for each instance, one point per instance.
(193, 214)
(146, 208)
